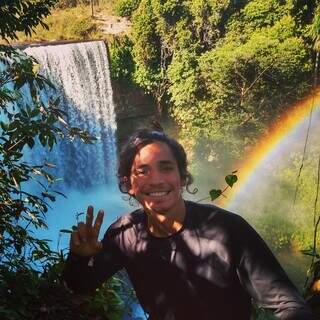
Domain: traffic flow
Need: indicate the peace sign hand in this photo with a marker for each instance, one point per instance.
(84, 241)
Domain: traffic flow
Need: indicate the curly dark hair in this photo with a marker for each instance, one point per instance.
(140, 139)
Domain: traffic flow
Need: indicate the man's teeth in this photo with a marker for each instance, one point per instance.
(158, 194)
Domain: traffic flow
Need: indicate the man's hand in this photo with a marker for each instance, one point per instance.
(84, 241)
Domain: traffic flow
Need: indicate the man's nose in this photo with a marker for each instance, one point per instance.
(156, 177)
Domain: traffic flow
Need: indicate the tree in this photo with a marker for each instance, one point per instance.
(161, 29)
(22, 15)
(30, 287)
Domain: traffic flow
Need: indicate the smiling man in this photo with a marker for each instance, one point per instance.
(185, 260)
(156, 184)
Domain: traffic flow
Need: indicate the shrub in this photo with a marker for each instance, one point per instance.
(44, 296)
(121, 60)
(276, 230)
(125, 8)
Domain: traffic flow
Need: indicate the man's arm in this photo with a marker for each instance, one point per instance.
(264, 279)
(90, 262)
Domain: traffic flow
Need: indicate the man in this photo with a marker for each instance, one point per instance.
(185, 260)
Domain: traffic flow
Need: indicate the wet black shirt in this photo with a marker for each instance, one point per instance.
(210, 269)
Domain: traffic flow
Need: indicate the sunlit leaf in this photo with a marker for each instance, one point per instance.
(231, 179)
(215, 193)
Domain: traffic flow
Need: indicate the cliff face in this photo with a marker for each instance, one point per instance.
(133, 108)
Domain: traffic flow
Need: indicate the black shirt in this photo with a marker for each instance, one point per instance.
(210, 269)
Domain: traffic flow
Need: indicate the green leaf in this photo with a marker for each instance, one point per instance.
(231, 179)
(215, 193)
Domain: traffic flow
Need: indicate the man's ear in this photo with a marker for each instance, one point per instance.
(130, 189)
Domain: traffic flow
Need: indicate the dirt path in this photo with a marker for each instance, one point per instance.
(113, 24)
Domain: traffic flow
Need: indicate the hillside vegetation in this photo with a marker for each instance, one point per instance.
(224, 70)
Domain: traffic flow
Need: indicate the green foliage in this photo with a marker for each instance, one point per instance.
(125, 8)
(214, 194)
(146, 49)
(29, 294)
(223, 69)
(315, 27)
(184, 73)
(248, 84)
(121, 61)
(22, 15)
(231, 179)
(276, 230)
(282, 224)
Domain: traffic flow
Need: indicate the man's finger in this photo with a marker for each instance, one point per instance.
(74, 240)
(99, 220)
(89, 216)
(82, 232)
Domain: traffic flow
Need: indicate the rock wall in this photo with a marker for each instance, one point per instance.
(134, 109)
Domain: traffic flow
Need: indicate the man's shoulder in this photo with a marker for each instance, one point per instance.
(128, 220)
(210, 212)
(125, 229)
(208, 209)
(211, 220)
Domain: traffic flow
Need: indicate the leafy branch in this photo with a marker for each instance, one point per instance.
(230, 180)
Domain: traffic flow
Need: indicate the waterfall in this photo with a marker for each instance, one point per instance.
(80, 72)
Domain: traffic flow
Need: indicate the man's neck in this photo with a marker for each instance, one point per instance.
(164, 225)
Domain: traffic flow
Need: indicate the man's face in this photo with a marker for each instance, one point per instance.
(155, 179)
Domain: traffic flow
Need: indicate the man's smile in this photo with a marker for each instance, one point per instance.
(157, 193)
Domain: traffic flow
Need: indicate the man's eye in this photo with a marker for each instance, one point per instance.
(167, 168)
(140, 172)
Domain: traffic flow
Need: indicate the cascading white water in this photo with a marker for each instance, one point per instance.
(80, 71)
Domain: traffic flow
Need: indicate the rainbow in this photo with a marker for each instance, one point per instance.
(285, 124)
